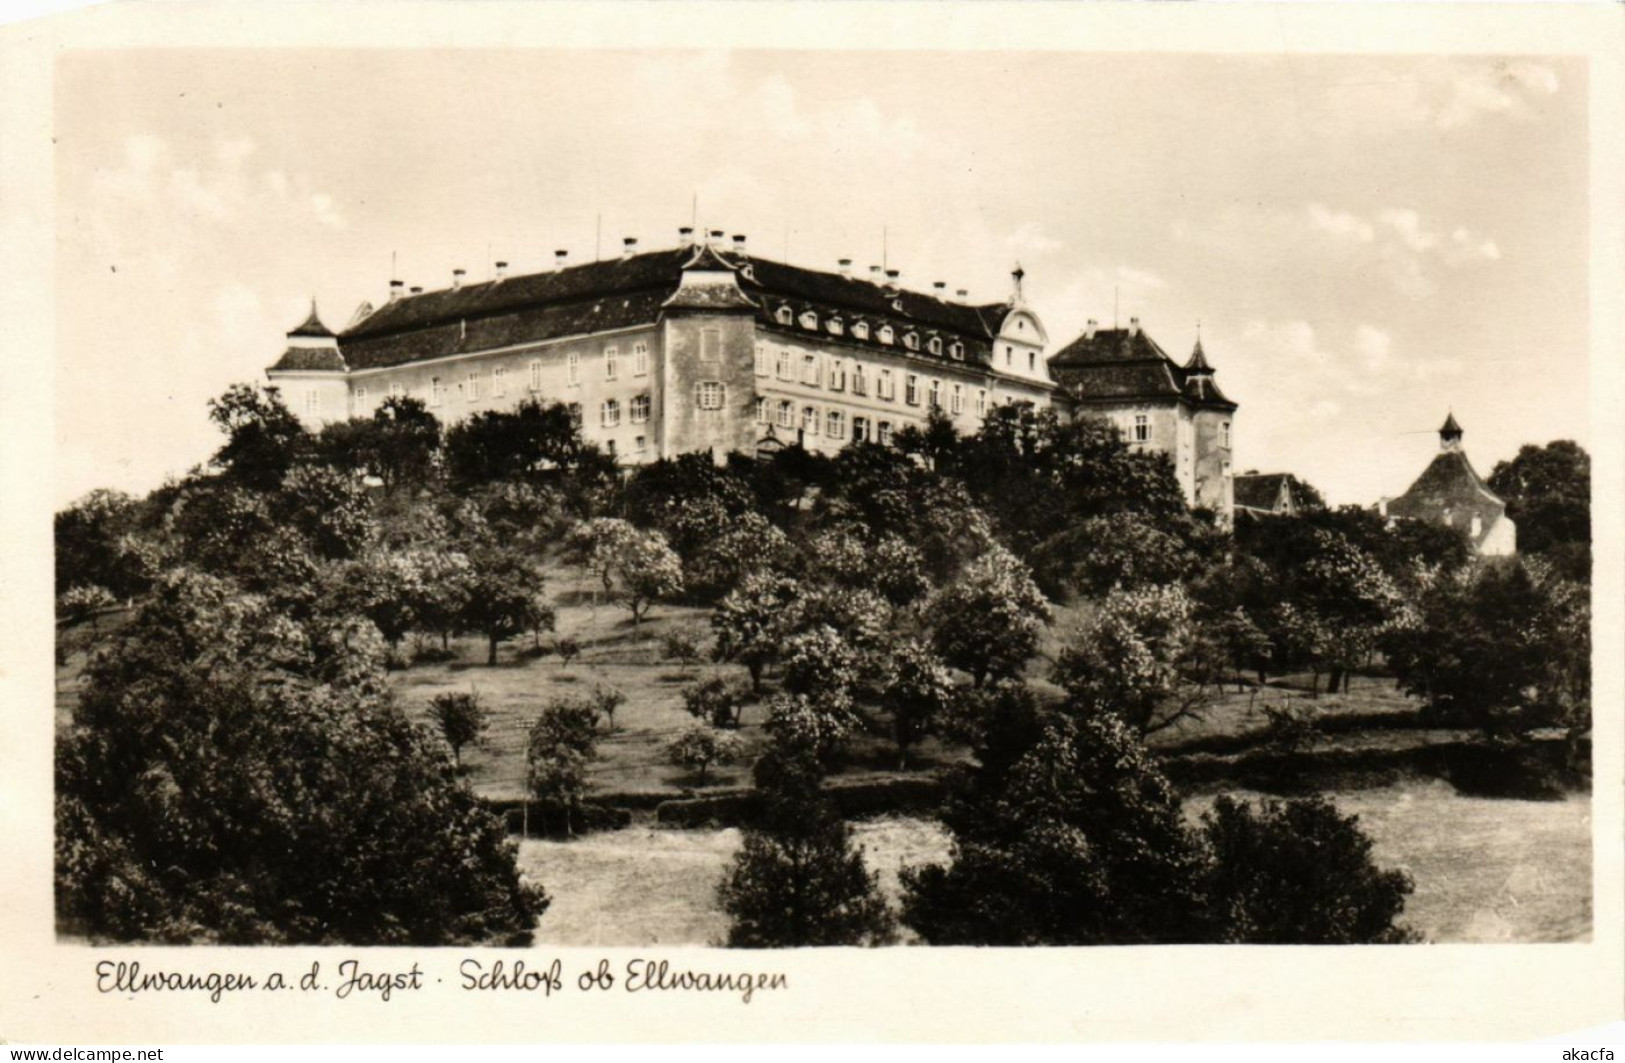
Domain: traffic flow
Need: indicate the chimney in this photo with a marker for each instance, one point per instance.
(417, 289)
(716, 237)
(629, 247)
(846, 268)
(396, 290)
(874, 274)
(561, 258)
(892, 277)
(685, 236)
(739, 243)
(1133, 326)
(1089, 329)
(457, 276)
(940, 287)
(962, 294)
(502, 270)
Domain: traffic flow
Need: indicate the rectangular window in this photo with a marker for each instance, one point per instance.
(575, 414)
(434, 391)
(708, 394)
(787, 414)
(536, 375)
(313, 401)
(612, 363)
(610, 413)
(837, 375)
(1224, 435)
(761, 360)
(911, 390)
(934, 395)
(361, 399)
(958, 400)
(473, 386)
(1032, 361)
(809, 369)
(860, 429)
(573, 361)
(499, 381)
(981, 402)
(640, 444)
(640, 359)
(836, 428)
(761, 410)
(860, 385)
(710, 344)
(609, 446)
(885, 433)
(1142, 428)
(397, 390)
(884, 387)
(809, 421)
(782, 363)
(640, 409)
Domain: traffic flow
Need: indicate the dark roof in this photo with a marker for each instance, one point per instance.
(1115, 364)
(1451, 428)
(1260, 490)
(310, 359)
(627, 292)
(1450, 491)
(312, 326)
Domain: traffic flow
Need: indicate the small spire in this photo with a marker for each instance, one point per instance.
(1450, 433)
(1017, 274)
(312, 325)
(1198, 361)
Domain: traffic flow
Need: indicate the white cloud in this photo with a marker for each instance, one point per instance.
(1373, 346)
(1029, 238)
(1340, 223)
(1500, 88)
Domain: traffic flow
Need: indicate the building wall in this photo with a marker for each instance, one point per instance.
(691, 362)
(1213, 486)
(836, 367)
(1502, 539)
(315, 398)
(587, 388)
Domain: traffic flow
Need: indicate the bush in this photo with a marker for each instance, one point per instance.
(563, 742)
(715, 700)
(569, 649)
(682, 647)
(1290, 727)
(461, 719)
(1298, 874)
(701, 746)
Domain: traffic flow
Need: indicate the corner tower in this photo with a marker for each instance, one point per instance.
(708, 343)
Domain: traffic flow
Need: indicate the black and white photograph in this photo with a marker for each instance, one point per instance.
(746, 498)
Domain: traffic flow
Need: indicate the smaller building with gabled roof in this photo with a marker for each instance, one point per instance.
(1451, 492)
(1265, 494)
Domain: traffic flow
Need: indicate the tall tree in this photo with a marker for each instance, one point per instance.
(1548, 493)
(263, 437)
(987, 621)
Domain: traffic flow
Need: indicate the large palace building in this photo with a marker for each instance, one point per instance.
(708, 346)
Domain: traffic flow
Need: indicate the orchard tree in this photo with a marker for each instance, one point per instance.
(263, 437)
(607, 700)
(917, 694)
(461, 719)
(818, 662)
(1136, 657)
(716, 701)
(399, 444)
(638, 561)
(563, 742)
(1548, 493)
(988, 620)
(751, 623)
(504, 598)
(234, 776)
(96, 544)
(700, 746)
(84, 602)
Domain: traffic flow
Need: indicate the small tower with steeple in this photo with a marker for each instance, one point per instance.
(1450, 434)
(312, 374)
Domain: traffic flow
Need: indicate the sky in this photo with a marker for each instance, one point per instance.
(1368, 243)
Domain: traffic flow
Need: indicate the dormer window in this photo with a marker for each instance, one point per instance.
(835, 327)
(809, 320)
(957, 350)
(785, 315)
(886, 334)
(934, 345)
(860, 330)
(911, 340)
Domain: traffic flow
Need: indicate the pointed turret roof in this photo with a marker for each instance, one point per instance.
(1451, 428)
(312, 325)
(1198, 360)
